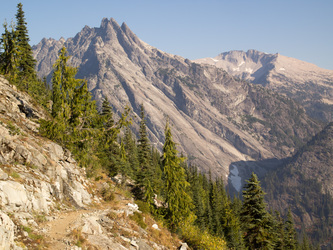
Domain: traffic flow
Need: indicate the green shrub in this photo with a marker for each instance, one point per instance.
(198, 239)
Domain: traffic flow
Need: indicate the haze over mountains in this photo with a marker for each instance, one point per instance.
(219, 122)
(304, 82)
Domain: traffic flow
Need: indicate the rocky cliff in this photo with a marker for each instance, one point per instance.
(217, 120)
(304, 82)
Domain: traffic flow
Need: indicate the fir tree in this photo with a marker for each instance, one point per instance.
(143, 142)
(144, 154)
(73, 111)
(232, 229)
(26, 61)
(278, 232)
(8, 56)
(255, 218)
(290, 240)
(131, 152)
(178, 200)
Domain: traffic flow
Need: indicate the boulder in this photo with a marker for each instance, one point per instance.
(6, 232)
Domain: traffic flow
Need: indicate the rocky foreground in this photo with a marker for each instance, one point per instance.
(46, 202)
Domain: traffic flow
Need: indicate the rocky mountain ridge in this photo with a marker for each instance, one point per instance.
(304, 82)
(217, 120)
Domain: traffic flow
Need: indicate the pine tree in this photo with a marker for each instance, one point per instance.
(290, 240)
(74, 113)
(216, 204)
(124, 167)
(143, 143)
(255, 218)
(197, 195)
(278, 232)
(131, 152)
(8, 56)
(26, 61)
(177, 198)
(144, 154)
(232, 227)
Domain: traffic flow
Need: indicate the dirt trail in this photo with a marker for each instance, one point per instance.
(59, 229)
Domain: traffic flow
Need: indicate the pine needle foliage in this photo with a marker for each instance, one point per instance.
(176, 196)
(255, 218)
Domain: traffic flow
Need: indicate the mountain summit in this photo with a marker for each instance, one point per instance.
(217, 120)
(304, 82)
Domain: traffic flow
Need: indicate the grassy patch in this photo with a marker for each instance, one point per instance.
(138, 218)
(79, 238)
(15, 175)
(13, 130)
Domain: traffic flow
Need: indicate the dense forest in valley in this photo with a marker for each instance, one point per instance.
(193, 204)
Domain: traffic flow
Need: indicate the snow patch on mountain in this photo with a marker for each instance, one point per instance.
(235, 179)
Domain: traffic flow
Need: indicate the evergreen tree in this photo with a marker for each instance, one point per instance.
(290, 240)
(256, 220)
(305, 245)
(8, 56)
(143, 143)
(197, 195)
(73, 111)
(26, 61)
(232, 228)
(216, 204)
(131, 152)
(177, 198)
(144, 154)
(278, 232)
(124, 167)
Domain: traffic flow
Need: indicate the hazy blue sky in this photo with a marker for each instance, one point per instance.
(302, 29)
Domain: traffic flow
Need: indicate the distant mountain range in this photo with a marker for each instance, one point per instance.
(219, 122)
(304, 82)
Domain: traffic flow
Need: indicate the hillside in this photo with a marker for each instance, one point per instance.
(304, 82)
(46, 200)
(305, 185)
(217, 120)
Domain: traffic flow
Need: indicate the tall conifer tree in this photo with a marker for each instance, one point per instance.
(178, 200)
(9, 54)
(257, 222)
(26, 63)
(144, 154)
(290, 240)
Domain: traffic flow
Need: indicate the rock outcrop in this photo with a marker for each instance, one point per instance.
(36, 175)
(7, 228)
